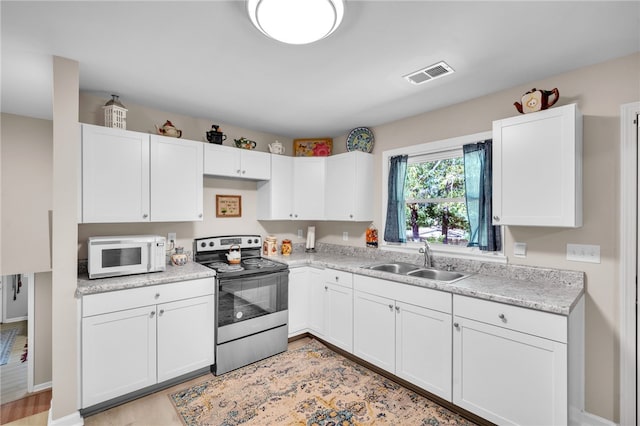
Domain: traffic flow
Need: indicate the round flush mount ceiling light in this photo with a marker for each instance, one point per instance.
(296, 21)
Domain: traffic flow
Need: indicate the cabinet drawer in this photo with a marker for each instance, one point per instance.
(537, 323)
(112, 301)
(414, 295)
(342, 278)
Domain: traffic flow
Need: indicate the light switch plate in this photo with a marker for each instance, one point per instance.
(583, 253)
(299, 233)
(520, 249)
(345, 236)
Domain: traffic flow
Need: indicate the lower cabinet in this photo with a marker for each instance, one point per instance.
(413, 342)
(136, 338)
(516, 366)
(299, 300)
(338, 308)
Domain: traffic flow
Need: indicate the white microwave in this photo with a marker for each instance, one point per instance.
(125, 255)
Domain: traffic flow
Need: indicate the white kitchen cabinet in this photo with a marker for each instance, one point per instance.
(349, 187)
(295, 191)
(338, 308)
(275, 196)
(176, 179)
(185, 336)
(227, 161)
(308, 188)
(136, 338)
(516, 366)
(118, 354)
(537, 169)
(299, 300)
(135, 177)
(410, 340)
(115, 175)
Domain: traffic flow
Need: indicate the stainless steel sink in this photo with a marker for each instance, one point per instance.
(434, 274)
(395, 267)
(412, 270)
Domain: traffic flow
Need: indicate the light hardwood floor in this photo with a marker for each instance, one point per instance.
(155, 409)
(13, 375)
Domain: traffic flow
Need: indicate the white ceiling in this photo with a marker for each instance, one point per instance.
(205, 59)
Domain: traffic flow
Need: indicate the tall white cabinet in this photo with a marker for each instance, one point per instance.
(537, 169)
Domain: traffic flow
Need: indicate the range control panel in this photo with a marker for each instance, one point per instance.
(226, 242)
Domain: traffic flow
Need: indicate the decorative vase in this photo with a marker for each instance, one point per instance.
(286, 247)
(179, 258)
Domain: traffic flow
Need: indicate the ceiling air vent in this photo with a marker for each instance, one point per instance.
(429, 73)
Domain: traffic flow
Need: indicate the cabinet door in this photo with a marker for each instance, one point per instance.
(374, 330)
(255, 165)
(185, 336)
(221, 160)
(349, 187)
(317, 302)
(118, 354)
(308, 188)
(299, 300)
(508, 377)
(275, 196)
(338, 316)
(537, 169)
(176, 180)
(115, 175)
(423, 348)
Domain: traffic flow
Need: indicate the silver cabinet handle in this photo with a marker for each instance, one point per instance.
(456, 325)
(337, 279)
(398, 309)
(295, 215)
(290, 214)
(144, 216)
(496, 218)
(200, 215)
(502, 317)
(161, 312)
(157, 296)
(326, 288)
(391, 308)
(350, 216)
(152, 314)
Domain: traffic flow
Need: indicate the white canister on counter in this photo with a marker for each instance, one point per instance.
(270, 246)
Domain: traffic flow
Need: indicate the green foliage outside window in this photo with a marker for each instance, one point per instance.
(436, 209)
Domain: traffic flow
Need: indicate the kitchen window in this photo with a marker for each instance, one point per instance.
(434, 197)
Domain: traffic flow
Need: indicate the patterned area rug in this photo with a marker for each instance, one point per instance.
(7, 337)
(311, 385)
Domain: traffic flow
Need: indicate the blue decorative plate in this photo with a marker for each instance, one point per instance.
(360, 139)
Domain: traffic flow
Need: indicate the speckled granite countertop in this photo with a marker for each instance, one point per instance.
(551, 290)
(190, 271)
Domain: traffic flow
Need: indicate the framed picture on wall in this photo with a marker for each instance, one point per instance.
(228, 205)
(318, 147)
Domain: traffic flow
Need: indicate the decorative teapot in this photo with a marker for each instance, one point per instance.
(233, 257)
(245, 143)
(215, 135)
(276, 148)
(179, 258)
(537, 100)
(168, 129)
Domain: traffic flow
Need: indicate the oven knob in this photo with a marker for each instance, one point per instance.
(211, 244)
(203, 244)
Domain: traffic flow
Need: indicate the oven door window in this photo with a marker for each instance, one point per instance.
(244, 298)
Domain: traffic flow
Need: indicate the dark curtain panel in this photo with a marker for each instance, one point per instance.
(394, 230)
(478, 189)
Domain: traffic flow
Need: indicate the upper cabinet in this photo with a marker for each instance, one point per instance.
(537, 169)
(176, 179)
(136, 177)
(115, 175)
(295, 191)
(234, 162)
(349, 187)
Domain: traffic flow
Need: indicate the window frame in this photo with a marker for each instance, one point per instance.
(433, 148)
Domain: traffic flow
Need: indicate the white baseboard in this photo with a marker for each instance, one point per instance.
(74, 419)
(42, 386)
(588, 419)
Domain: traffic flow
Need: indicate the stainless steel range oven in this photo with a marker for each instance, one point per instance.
(251, 300)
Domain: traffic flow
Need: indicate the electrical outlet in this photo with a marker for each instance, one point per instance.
(171, 237)
(520, 249)
(345, 236)
(583, 253)
(299, 233)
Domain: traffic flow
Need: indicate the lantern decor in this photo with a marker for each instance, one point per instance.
(115, 114)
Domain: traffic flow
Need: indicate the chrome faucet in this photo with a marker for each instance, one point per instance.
(426, 250)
